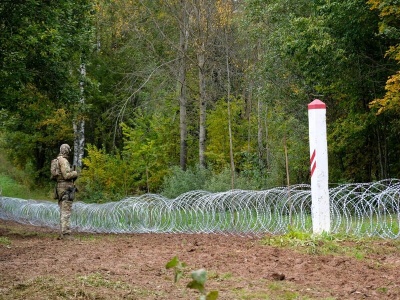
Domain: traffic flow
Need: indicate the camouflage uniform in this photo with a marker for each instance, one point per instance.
(64, 181)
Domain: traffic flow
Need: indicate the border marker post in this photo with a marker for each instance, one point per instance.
(320, 210)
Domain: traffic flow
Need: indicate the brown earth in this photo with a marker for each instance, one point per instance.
(35, 265)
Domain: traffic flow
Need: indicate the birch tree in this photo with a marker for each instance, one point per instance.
(182, 88)
(79, 122)
(41, 43)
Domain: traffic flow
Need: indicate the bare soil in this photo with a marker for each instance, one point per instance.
(35, 265)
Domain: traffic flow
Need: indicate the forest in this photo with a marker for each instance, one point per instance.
(167, 96)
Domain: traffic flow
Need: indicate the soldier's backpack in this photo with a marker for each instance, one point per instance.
(55, 169)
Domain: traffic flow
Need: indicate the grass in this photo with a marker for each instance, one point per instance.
(88, 287)
(277, 290)
(19, 232)
(100, 280)
(5, 241)
(16, 183)
(338, 244)
(9, 187)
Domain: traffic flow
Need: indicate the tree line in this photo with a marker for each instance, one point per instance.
(172, 95)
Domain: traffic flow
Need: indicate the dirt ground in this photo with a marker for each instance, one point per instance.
(35, 265)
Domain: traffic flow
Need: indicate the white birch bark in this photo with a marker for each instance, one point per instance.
(79, 124)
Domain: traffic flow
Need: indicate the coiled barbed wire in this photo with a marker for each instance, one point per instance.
(365, 209)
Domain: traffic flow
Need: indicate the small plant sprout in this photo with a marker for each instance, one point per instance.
(178, 267)
(199, 278)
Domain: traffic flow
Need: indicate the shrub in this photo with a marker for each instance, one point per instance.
(179, 181)
(105, 177)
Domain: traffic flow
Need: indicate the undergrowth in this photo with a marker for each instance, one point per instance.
(9, 187)
(17, 183)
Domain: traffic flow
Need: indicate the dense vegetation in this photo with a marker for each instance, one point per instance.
(168, 96)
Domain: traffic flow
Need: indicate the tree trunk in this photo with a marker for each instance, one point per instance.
(286, 161)
(266, 148)
(260, 146)
(202, 31)
(229, 112)
(203, 106)
(183, 45)
(79, 124)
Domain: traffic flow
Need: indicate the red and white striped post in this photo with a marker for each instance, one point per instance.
(320, 210)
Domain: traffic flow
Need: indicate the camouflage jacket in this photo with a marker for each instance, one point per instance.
(66, 173)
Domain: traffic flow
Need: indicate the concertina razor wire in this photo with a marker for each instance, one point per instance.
(363, 209)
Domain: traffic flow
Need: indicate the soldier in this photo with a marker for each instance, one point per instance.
(65, 189)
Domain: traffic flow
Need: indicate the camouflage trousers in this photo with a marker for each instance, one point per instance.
(65, 216)
(65, 206)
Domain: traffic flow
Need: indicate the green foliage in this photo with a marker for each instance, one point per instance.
(199, 278)
(279, 56)
(218, 134)
(9, 187)
(325, 243)
(179, 181)
(389, 27)
(141, 167)
(42, 43)
(221, 182)
(149, 149)
(99, 280)
(310, 54)
(8, 169)
(5, 241)
(31, 135)
(18, 183)
(198, 178)
(177, 266)
(345, 158)
(105, 177)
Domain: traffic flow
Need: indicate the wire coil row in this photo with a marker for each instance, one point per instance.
(366, 209)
